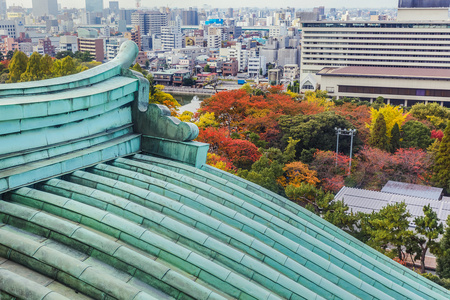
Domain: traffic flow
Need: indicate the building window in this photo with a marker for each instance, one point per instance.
(330, 89)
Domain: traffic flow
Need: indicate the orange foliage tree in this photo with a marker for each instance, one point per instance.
(297, 172)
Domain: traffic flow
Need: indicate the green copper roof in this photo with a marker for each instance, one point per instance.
(105, 197)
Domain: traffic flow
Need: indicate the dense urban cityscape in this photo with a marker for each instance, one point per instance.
(197, 152)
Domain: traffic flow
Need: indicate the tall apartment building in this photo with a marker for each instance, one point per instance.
(256, 66)
(45, 8)
(92, 45)
(190, 17)
(3, 7)
(149, 22)
(401, 43)
(214, 41)
(171, 37)
(94, 6)
(114, 6)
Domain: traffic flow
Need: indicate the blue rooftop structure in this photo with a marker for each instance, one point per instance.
(103, 196)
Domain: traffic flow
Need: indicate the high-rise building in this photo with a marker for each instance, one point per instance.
(2, 7)
(190, 17)
(114, 7)
(149, 22)
(230, 12)
(44, 7)
(94, 6)
(171, 37)
(125, 15)
(408, 42)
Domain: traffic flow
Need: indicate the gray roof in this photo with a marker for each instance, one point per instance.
(415, 190)
(366, 201)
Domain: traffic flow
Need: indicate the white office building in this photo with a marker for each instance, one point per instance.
(214, 41)
(256, 66)
(402, 43)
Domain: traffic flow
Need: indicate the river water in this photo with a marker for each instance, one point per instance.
(189, 102)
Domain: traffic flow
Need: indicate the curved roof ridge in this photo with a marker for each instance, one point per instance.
(111, 248)
(216, 245)
(367, 252)
(360, 253)
(115, 225)
(298, 234)
(80, 271)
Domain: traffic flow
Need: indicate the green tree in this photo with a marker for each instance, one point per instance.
(2, 57)
(433, 112)
(429, 228)
(83, 56)
(378, 103)
(269, 167)
(147, 64)
(316, 131)
(64, 67)
(137, 67)
(62, 54)
(9, 55)
(17, 66)
(395, 138)
(441, 167)
(33, 71)
(46, 67)
(378, 137)
(443, 257)
(207, 69)
(188, 81)
(390, 227)
(415, 134)
(322, 203)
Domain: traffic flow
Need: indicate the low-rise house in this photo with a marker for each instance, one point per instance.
(164, 77)
(179, 76)
(230, 68)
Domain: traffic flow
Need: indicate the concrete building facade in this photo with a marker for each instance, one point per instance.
(93, 46)
(408, 44)
(45, 8)
(398, 86)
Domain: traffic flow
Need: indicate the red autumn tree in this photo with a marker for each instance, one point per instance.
(217, 138)
(242, 153)
(330, 174)
(437, 134)
(411, 165)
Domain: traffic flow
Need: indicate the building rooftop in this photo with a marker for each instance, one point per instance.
(387, 72)
(410, 189)
(366, 201)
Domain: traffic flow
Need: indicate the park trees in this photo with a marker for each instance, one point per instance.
(429, 228)
(378, 134)
(66, 66)
(33, 70)
(443, 259)
(390, 226)
(441, 176)
(315, 131)
(395, 138)
(17, 66)
(415, 134)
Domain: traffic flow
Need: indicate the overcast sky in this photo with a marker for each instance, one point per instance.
(231, 3)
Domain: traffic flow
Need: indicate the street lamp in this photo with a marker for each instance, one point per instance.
(351, 133)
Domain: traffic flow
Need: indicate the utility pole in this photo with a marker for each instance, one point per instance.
(351, 133)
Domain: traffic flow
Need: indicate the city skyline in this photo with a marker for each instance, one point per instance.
(232, 3)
